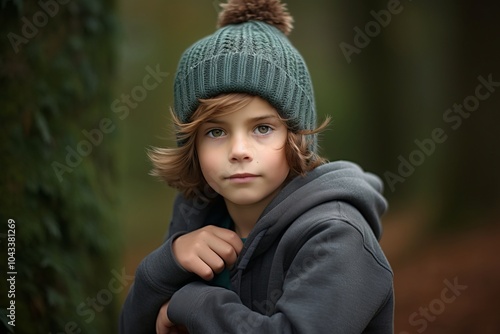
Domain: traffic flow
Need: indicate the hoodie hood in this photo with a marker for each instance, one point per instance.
(336, 181)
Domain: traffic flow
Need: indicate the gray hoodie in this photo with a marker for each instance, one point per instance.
(312, 264)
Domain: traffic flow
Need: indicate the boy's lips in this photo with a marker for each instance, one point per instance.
(242, 177)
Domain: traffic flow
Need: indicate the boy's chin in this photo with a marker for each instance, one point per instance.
(248, 198)
(245, 201)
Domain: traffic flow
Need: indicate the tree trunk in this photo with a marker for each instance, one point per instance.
(472, 178)
(56, 146)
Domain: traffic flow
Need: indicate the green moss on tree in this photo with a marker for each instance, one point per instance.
(56, 82)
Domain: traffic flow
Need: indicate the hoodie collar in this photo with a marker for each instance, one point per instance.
(335, 181)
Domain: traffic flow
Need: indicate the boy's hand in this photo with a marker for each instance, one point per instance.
(207, 251)
(165, 326)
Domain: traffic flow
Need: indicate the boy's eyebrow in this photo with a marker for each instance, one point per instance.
(263, 117)
(250, 120)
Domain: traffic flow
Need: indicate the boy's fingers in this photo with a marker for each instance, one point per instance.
(163, 324)
(207, 251)
(203, 269)
(213, 260)
(224, 250)
(230, 237)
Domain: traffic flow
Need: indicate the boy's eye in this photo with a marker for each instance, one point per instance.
(215, 133)
(263, 129)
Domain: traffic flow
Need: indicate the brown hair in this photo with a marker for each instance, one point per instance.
(179, 167)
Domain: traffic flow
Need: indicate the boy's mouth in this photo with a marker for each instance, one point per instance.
(242, 177)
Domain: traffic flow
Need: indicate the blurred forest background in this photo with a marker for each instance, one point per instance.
(413, 88)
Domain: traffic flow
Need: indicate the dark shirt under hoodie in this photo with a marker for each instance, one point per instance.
(312, 264)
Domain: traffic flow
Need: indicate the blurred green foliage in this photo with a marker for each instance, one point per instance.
(57, 70)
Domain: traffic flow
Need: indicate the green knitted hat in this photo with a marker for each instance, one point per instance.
(249, 53)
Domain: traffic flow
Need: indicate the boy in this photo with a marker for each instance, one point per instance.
(266, 236)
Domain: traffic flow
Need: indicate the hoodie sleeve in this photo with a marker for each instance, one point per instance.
(335, 284)
(157, 277)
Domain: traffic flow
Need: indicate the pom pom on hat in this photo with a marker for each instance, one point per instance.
(272, 12)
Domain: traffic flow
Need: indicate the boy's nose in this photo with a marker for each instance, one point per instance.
(240, 150)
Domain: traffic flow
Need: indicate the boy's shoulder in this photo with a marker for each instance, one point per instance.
(335, 224)
(330, 216)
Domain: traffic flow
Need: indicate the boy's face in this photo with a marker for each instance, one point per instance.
(242, 154)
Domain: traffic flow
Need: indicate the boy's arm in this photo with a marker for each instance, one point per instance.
(183, 258)
(157, 277)
(334, 285)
